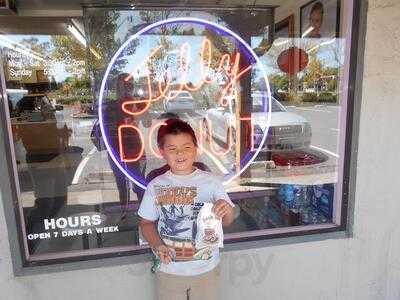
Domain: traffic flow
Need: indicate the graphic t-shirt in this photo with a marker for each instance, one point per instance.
(175, 201)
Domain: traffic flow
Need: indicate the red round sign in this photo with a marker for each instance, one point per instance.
(292, 60)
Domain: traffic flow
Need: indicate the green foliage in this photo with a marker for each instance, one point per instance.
(313, 71)
(43, 49)
(316, 74)
(68, 50)
(291, 96)
(101, 28)
(309, 97)
(74, 100)
(327, 97)
(280, 82)
(332, 85)
(81, 84)
(324, 97)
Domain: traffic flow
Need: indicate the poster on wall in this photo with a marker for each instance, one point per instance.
(320, 19)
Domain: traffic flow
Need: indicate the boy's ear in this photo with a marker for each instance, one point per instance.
(162, 152)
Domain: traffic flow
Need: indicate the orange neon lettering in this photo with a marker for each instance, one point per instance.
(149, 89)
(222, 99)
(231, 70)
(146, 101)
(206, 45)
(121, 146)
(229, 138)
(233, 78)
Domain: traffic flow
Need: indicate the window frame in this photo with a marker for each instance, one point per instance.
(13, 212)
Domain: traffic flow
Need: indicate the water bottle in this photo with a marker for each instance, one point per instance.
(288, 195)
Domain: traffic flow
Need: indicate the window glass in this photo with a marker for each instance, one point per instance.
(272, 135)
(85, 103)
(69, 198)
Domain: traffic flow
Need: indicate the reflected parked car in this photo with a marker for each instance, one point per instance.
(179, 101)
(288, 131)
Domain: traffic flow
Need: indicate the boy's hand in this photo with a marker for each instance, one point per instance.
(164, 253)
(221, 208)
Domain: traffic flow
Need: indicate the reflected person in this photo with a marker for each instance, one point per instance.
(114, 117)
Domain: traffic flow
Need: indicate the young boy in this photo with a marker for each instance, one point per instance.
(168, 217)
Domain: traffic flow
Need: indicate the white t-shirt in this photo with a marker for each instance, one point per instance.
(175, 201)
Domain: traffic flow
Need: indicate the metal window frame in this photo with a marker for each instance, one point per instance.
(9, 187)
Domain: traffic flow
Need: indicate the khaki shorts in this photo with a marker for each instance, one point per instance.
(205, 286)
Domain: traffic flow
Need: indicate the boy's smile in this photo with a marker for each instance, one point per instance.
(180, 152)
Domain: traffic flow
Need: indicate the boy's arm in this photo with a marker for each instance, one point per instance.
(223, 206)
(225, 211)
(150, 233)
(148, 224)
(229, 217)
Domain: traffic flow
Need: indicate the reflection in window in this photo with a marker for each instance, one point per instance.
(75, 180)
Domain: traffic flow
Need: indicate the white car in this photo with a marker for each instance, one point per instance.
(288, 131)
(179, 101)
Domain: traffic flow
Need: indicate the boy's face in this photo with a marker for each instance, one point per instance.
(180, 153)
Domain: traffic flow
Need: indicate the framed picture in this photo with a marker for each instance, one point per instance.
(285, 28)
(320, 19)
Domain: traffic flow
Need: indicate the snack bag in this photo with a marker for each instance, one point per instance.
(209, 229)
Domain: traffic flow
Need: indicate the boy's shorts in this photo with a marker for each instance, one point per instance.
(200, 287)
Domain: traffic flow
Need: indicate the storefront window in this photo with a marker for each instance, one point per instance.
(268, 106)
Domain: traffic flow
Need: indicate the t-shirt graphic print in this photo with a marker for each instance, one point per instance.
(175, 202)
(178, 220)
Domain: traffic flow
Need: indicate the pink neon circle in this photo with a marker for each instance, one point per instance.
(169, 21)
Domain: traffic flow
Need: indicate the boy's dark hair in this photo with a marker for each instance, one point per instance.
(174, 126)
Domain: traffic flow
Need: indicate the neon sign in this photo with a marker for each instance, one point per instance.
(231, 70)
(128, 127)
(227, 63)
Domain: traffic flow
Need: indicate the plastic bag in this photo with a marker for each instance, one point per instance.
(209, 229)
